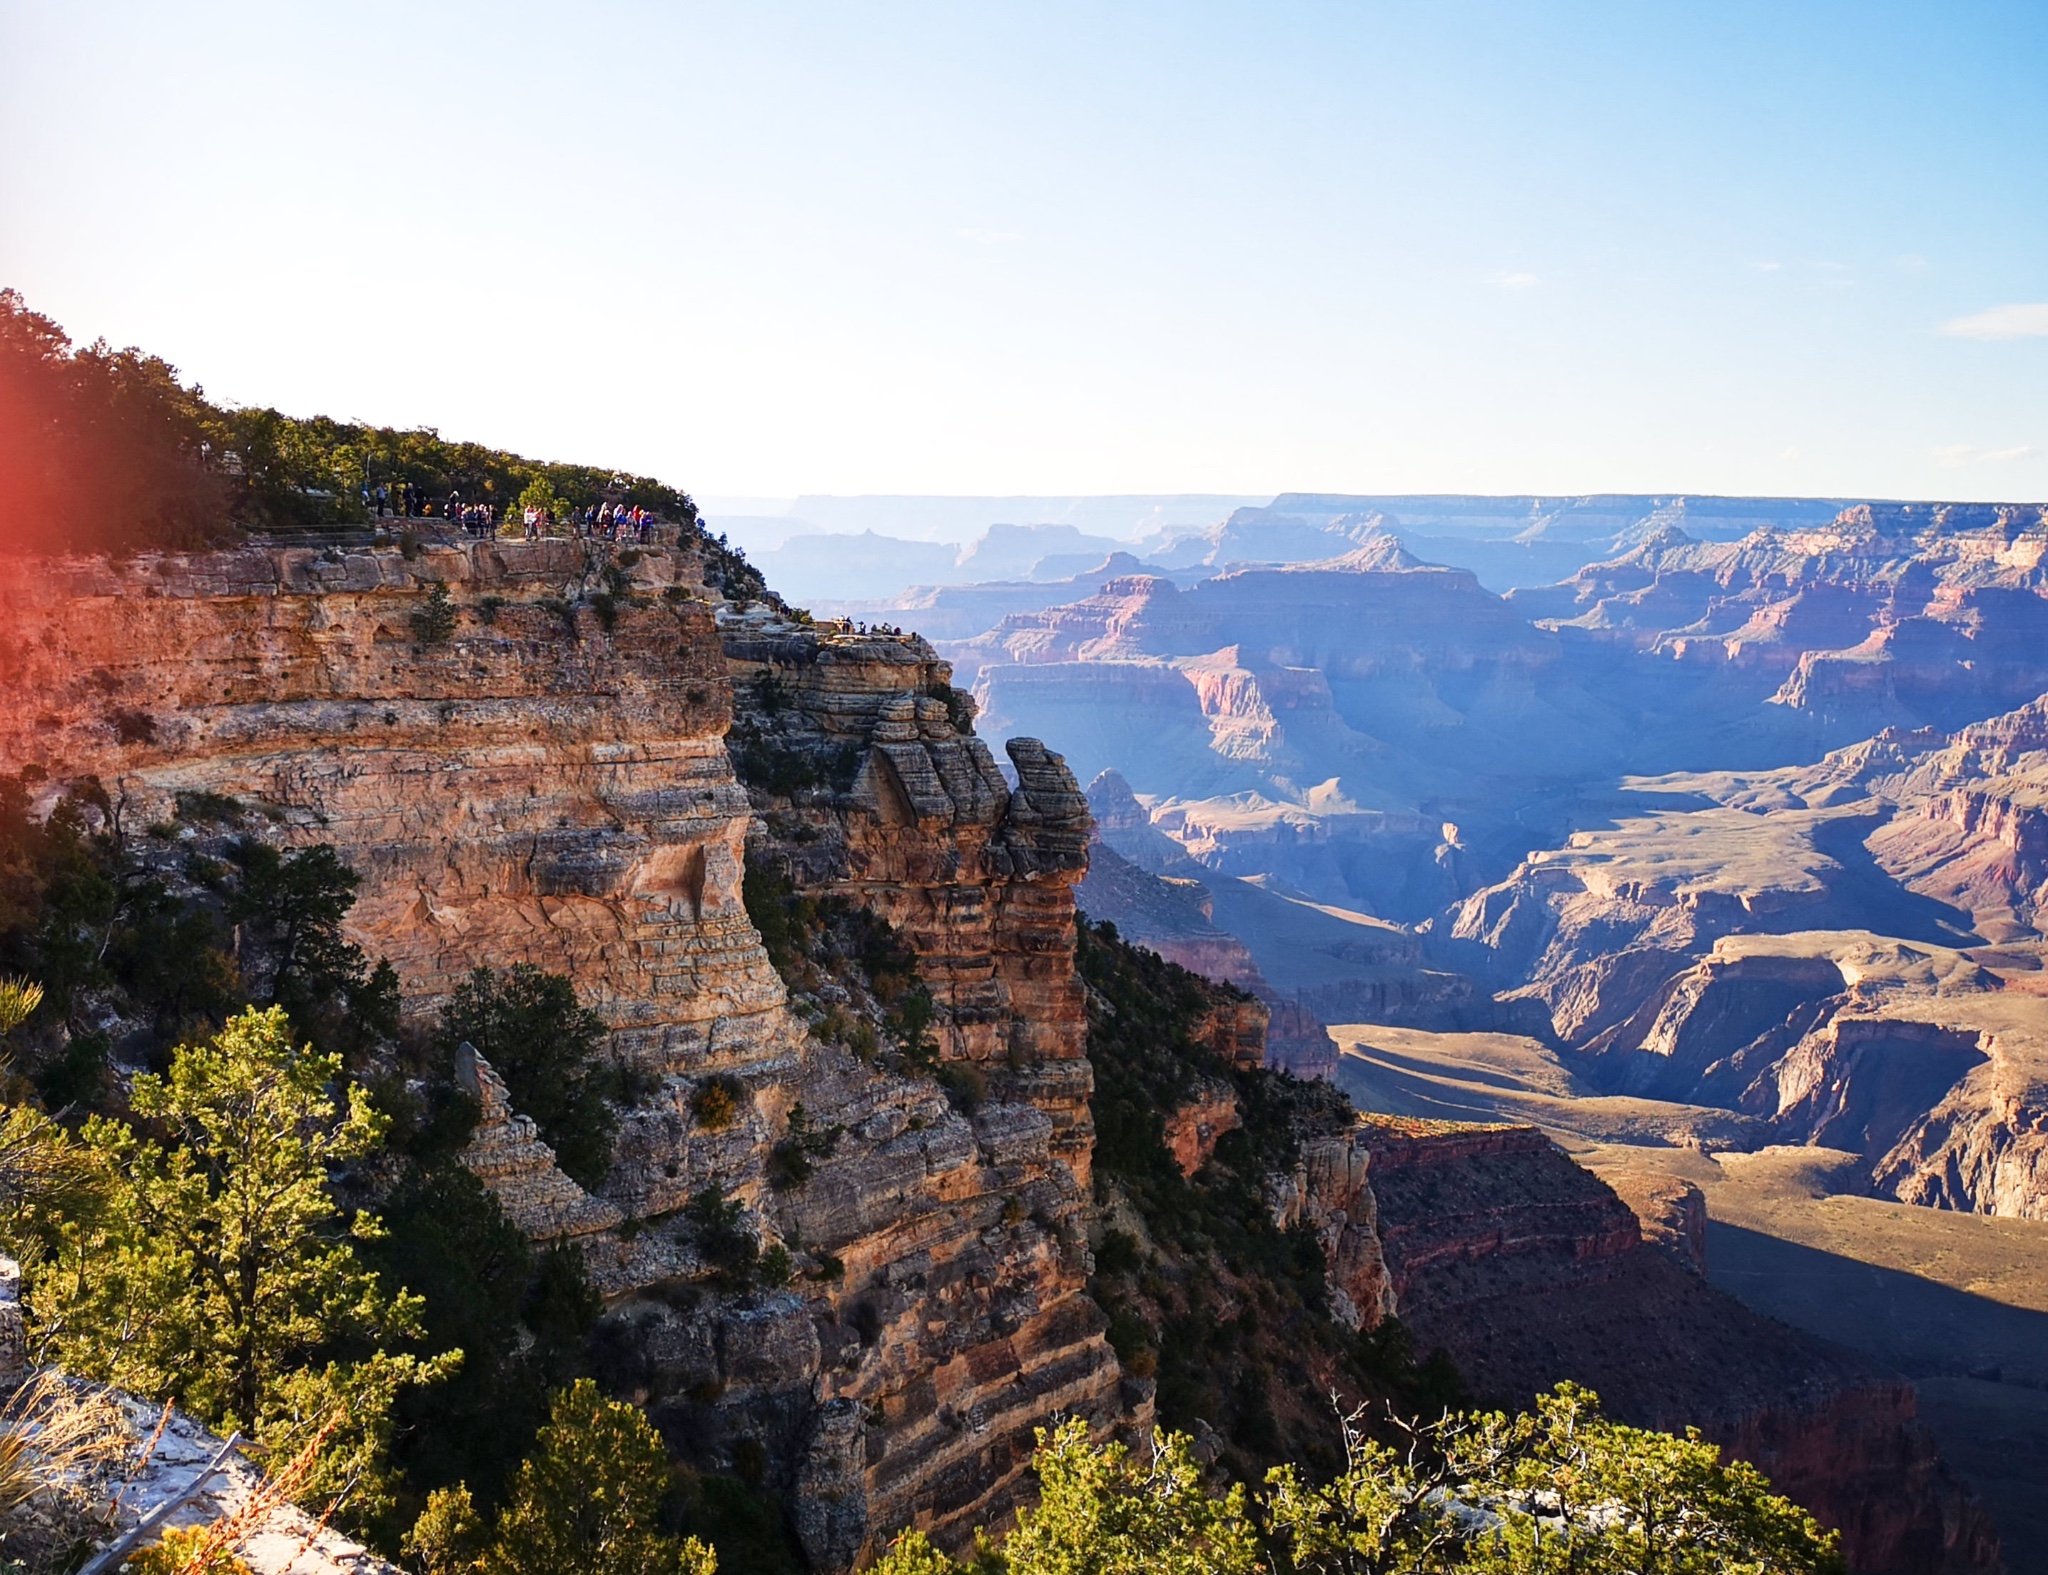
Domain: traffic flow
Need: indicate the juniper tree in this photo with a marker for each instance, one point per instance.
(547, 1047)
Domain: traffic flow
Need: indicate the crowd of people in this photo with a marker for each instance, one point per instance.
(611, 522)
(602, 521)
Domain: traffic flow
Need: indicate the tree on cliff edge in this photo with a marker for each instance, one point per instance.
(547, 1047)
(219, 1272)
(100, 449)
(1556, 1491)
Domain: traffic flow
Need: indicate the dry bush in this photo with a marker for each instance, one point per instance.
(61, 1446)
(210, 1549)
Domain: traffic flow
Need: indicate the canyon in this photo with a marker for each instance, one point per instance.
(1723, 839)
(606, 770)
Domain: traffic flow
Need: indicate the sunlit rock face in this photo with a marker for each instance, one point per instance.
(550, 784)
(1849, 950)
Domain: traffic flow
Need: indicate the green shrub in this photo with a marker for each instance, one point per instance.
(209, 809)
(792, 1160)
(434, 622)
(589, 1500)
(549, 1050)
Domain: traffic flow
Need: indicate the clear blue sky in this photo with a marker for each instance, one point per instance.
(774, 248)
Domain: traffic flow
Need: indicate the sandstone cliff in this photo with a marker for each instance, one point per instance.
(550, 784)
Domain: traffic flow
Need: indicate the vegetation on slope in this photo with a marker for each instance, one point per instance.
(390, 1288)
(882, 1010)
(364, 1269)
(1558, 1491)
(1202, 1289)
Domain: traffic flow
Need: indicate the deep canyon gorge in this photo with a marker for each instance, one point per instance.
(1374, 795)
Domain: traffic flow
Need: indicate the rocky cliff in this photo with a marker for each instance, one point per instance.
(870, 788)
(523, 750)
(1531, 1269)
(546, 781)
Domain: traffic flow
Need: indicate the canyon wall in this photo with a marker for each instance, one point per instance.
(926, 834)
(550, 784)
(1850, 950)
(1530, 1269)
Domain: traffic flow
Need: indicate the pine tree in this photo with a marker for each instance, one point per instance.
(587, 1501)
(219, 1272)
(548, 1048)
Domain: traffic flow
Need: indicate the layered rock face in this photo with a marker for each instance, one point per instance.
(867, 791)
(550, 785)
(1891, 613)
(1530, 1270)
(976, 877)
(1330, 1189)
(1807, 945)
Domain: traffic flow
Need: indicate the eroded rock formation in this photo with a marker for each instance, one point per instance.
(550, 785)
(1808, 945)
(1531, 1269)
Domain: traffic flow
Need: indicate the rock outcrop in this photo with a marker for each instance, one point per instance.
(550, 784)
(1530, 1269)
(1330, 1190)
(924, 831)
(871, 789)
(507, 1155)
(1194, 1125)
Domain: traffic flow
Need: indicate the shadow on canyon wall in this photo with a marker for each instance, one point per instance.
(1981, 1366)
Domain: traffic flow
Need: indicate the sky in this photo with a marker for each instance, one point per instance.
(765, 248)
